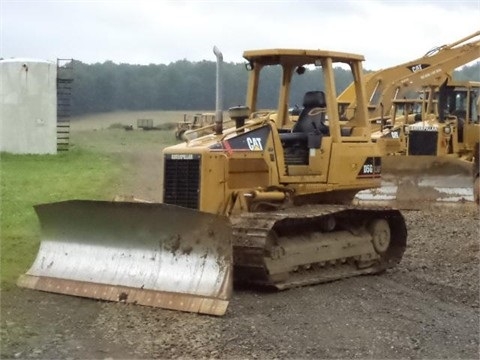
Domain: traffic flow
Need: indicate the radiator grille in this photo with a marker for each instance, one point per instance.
(181, 181)
(422, 142)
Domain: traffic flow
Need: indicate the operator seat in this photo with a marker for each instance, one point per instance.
(312, 117)
(307, 132)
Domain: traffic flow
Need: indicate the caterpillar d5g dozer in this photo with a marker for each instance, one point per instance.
(269, 202)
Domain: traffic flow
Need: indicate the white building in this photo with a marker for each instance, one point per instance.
(28, 106)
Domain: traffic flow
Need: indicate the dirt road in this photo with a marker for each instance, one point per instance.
(427, 307)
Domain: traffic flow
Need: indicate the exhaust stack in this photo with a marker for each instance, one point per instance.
(219, 93)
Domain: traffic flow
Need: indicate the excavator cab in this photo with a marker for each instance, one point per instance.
(461, 101)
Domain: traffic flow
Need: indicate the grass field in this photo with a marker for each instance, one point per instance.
(92, 169)
(32, 179)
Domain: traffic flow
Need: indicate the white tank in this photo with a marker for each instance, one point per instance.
(28, 107)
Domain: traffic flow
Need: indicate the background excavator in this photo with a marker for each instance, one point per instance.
(430, 142)
(401, 81)
(436, 144)
(260, 203)
(452, 110)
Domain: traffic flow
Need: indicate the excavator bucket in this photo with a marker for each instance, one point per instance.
(150, 254)
(415, 181)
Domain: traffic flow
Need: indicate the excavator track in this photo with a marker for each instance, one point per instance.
(315, 243)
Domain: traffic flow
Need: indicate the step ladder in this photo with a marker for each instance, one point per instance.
(64, 102)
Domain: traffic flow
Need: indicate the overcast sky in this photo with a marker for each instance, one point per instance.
(143, 32)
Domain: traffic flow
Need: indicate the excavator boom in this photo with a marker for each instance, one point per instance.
(397, 82)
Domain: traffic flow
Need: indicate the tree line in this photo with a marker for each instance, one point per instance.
(183, 85)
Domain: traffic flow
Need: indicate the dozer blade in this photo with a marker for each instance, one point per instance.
(414, 181)
(150, 254)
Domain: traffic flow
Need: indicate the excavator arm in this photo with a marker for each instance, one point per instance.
(396, 82)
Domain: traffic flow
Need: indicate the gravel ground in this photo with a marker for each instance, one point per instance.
(427, 307)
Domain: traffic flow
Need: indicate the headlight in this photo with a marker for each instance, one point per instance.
(447, 130)
(406, 129)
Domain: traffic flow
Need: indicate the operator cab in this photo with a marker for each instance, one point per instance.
(308, 75)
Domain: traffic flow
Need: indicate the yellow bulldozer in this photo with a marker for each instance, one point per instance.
(260, 203)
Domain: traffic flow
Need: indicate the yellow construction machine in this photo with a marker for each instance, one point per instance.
(401, 81)
(261, 203)
(431, 141)
(461, 100)
(192, 122)
(451, 127)
(438, 143)
(441, 121)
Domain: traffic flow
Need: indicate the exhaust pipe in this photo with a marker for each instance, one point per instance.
(219, 93)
